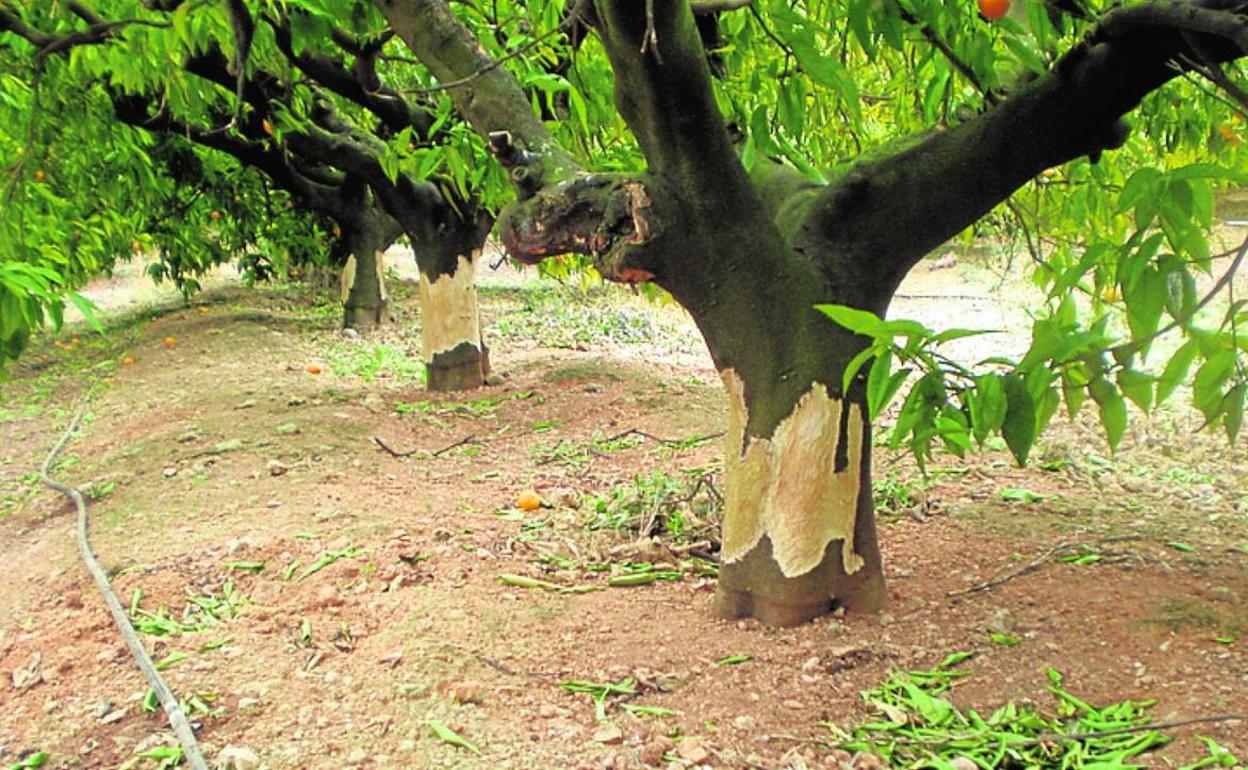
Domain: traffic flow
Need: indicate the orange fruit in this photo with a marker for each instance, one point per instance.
(170, 341)
(136, 247)
(214, 215)
(528, 500)
(127, 361)
(314, 369)
(267, 126)
(40, 176)
(993, 9)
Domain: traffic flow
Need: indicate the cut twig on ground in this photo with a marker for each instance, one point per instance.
(665, 441)
(469, 439)
(1036, 563)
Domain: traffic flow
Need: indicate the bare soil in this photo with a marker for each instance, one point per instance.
(224, 447)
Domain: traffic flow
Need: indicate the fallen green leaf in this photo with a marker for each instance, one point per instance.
(171, 660)
(733, 660)
(449, 736)
(1021, 496)
(245, 566)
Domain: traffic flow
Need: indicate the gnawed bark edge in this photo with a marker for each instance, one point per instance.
(787, 487)
(448, 309)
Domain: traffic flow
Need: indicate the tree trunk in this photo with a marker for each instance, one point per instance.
(364, 301)
(799, 529)
(455, 354)
(367, 231)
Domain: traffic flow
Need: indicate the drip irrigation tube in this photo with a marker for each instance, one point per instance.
(177, 718)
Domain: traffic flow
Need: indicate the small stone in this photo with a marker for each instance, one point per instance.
(469, 691)
(327, 596)
(652, 752)
(287, 429)
(277, 467)
(493, 379)
(29, 675)
(170, 472)
(357, 756)
(593, 387)
(963, 763)
(237, 758)
(350, 333)
(249, 403)
(745, 722)
(610, 735)
(692, 752)
(116, 715)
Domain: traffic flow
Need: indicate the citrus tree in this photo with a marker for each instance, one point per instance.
(777, 167)
(268, 93)
(783, 204)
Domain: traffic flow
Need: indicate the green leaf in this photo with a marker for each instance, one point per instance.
(1113, 410)
(1176, 370)
(1021, 495)
(87, 308)
(1019, 427)
(449, 736)
(954, 658)
(1138, 387)
(881, 385)
(988, 408)
(862, 322)
(1233, 412)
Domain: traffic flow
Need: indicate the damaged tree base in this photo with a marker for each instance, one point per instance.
(461, 368)
(754, 586)
(364, 318)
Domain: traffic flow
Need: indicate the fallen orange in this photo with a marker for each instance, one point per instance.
(127, 361)
(314, 369)
(170, 341)
(528, 500)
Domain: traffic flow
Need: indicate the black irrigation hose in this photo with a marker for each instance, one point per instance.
(177, 719)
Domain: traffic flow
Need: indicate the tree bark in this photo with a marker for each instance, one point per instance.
(365, 237)
(364, 300)
(454, 350)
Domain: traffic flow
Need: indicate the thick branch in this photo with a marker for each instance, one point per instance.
(386, 103)
(144, 113)
(487, 95)
(666, 97)
(885, 215)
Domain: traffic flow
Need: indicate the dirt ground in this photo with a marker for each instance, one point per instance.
(244, 456)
